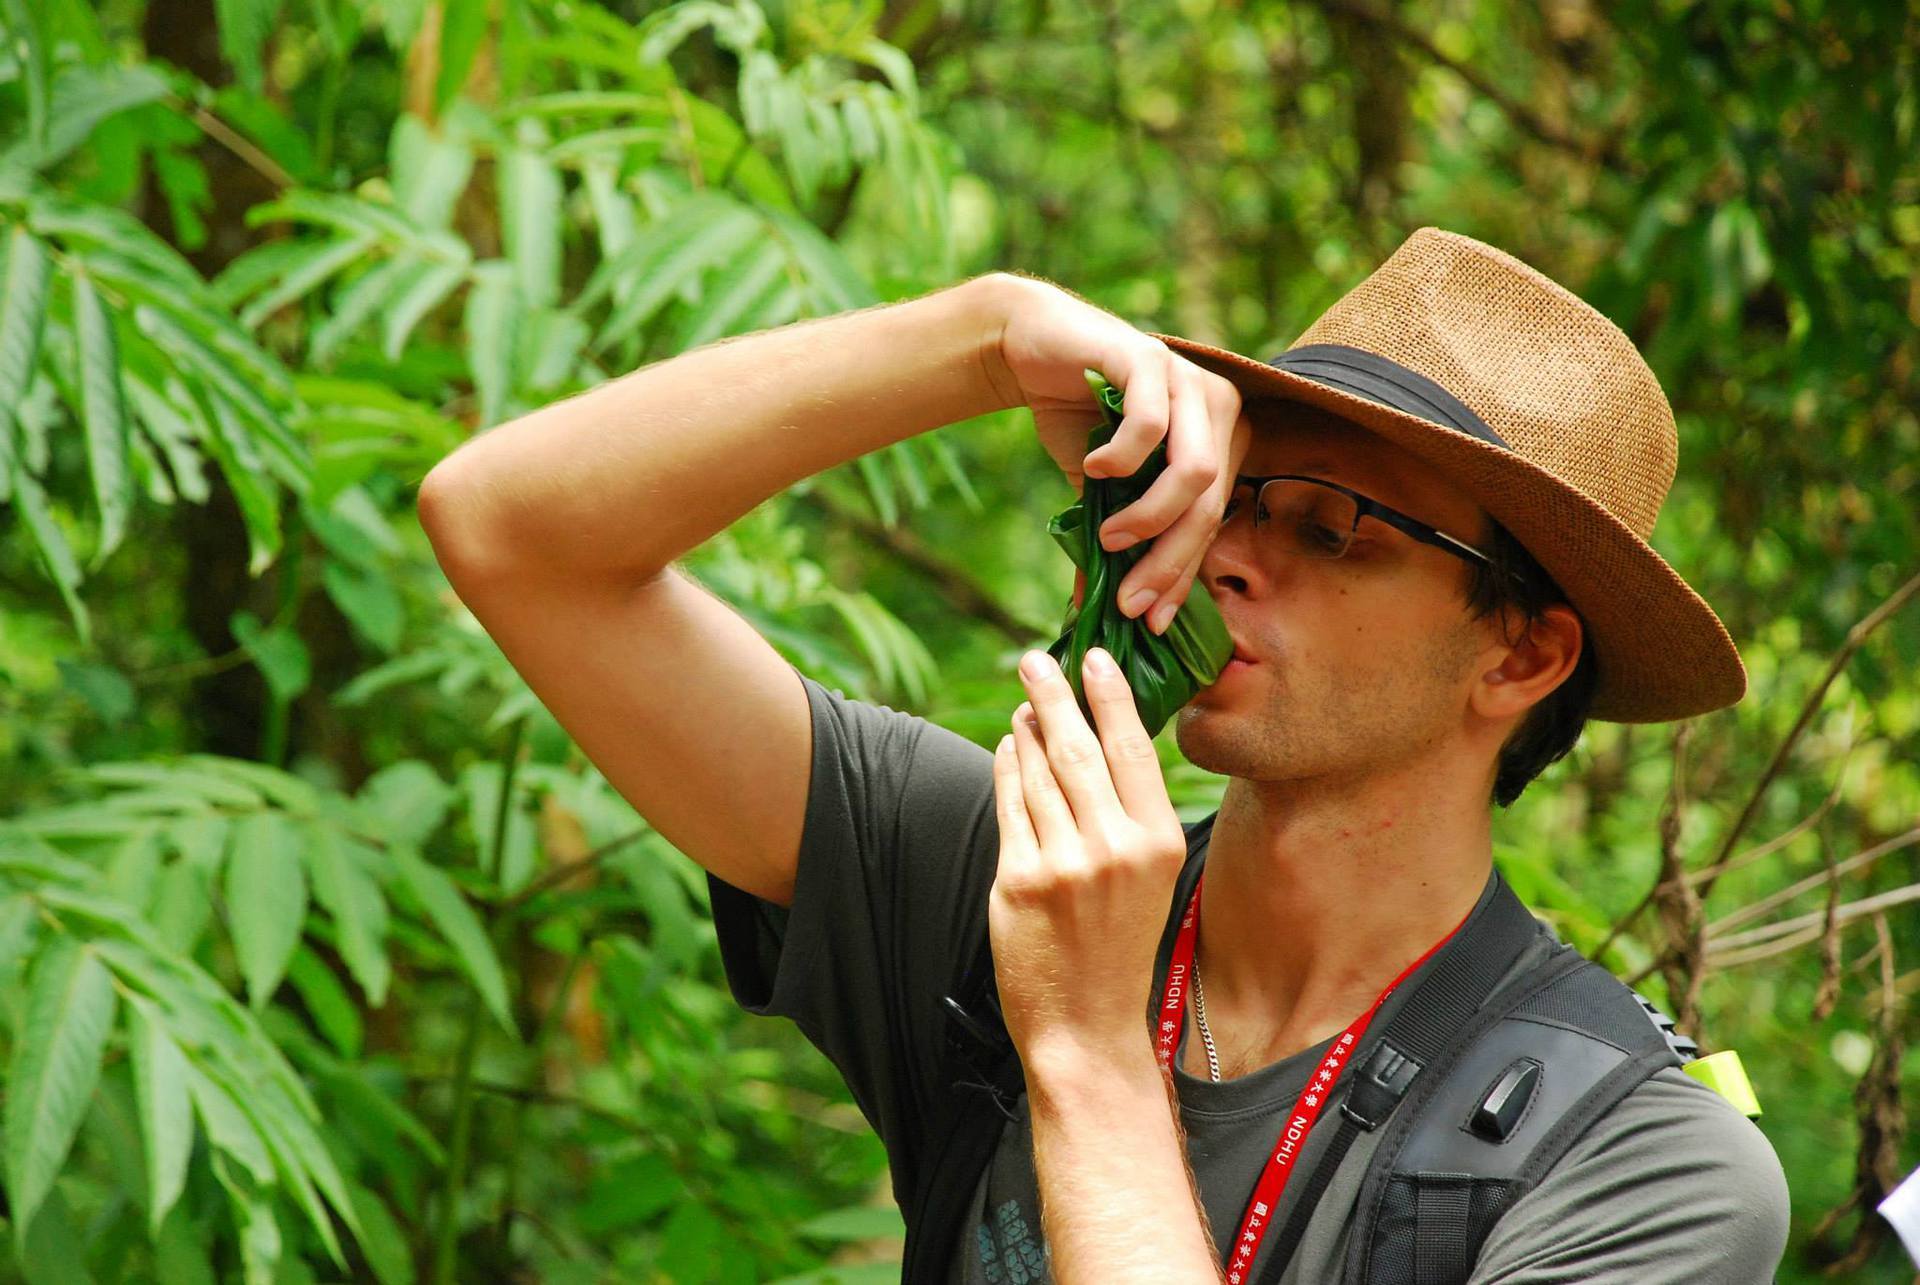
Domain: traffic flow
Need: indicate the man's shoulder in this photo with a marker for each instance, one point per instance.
(1673, 1183)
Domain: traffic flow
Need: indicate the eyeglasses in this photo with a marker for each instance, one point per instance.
(1316, 518)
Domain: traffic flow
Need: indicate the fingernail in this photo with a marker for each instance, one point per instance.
(1034, 664)
(1161, 614)
(1121, 540)
(1006, 743)
(1136, 602)
(1101, 663)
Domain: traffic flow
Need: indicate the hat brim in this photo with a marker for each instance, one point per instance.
(1662, 652)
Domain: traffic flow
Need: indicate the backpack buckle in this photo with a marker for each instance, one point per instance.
(1384, 1079)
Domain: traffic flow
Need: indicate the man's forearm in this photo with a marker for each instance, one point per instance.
(1116, 1199)
(622, 479)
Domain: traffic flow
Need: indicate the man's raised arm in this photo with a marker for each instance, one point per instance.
(558, 531)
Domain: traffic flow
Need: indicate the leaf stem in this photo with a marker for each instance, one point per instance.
(447, 1239)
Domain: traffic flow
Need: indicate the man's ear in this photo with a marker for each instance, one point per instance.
(1526, 671)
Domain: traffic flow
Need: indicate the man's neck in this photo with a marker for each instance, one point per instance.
(1316, 899)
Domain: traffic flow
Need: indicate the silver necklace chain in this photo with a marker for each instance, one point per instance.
(1200, 1020)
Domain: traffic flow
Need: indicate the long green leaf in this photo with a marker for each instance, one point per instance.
(266, 899)
(430, 170)
(530, 194)
(735, 296)
(493, 310)
(425, 286)
(56, 1063)
(104, 411)
(23, 306)
(166, 1111)
(304, 273)
(61, 565)
(36, 62)
(460, 928)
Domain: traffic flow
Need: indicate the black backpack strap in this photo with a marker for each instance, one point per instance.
(1531, 1074)
(982, 1069)
(1442, 1003)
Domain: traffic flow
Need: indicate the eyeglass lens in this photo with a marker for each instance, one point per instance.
(1308, 520)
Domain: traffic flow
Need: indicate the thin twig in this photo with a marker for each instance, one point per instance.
(1754, 910)
(1779, 841)
(1777, 939)
(236, 142)
(561, 873)
(1855, 637)
(967, 594)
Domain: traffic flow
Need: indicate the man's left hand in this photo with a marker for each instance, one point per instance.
(1090, 851)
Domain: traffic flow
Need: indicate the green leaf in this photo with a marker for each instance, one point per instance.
(530, 193)
(1164, 671)
(104, 412)
(369, 600)
(342, 885)
(303, 273)
(408, 797)
(463, 25)
(430, 171)
(56, 554)
(413, 297)
(82, 97)
(166, 1112)
(279, 651)
(23, 304)
(859, 1222)
(326, 1001)
(493, 308)
(266, 894)
(245, 26)
(35, 46)
(382, 1239)
(355, 304)
(228, 1128)
(56, 1063)
(736, 296)
(666, 255)
(460, 928)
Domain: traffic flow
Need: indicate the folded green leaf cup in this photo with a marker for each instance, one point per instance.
(1164, 670)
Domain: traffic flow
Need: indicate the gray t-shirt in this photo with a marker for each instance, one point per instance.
(896, 860)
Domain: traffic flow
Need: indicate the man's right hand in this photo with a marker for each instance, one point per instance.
(1049, 337)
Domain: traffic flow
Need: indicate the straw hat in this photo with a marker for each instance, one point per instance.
(1543, 412)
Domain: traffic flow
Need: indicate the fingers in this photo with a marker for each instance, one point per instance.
(1018, 842)
(1144, 392)
(1074, 752)
(1053, 825)
(1192, 462)
(1132, 763)
(1202, 462)
(1176, 597)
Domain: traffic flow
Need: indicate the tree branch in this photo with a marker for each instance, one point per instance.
(1855, 637)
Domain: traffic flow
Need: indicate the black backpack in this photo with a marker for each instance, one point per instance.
(1477, 1099)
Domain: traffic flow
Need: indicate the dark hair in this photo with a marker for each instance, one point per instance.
(1549, 729)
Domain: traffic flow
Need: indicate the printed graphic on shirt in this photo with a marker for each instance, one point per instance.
(1010, 1252)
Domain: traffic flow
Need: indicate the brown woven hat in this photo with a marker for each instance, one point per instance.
(1543, 412)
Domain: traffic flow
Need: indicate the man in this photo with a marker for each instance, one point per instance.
(1438, 570)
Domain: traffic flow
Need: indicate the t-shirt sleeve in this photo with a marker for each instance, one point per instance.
(1673, 1184)
(897, 856)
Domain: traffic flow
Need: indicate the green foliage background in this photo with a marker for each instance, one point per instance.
(324, 955)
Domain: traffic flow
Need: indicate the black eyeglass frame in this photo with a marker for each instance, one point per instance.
(1366, 506)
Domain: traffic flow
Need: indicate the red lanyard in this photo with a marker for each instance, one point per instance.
(1306, 1109)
